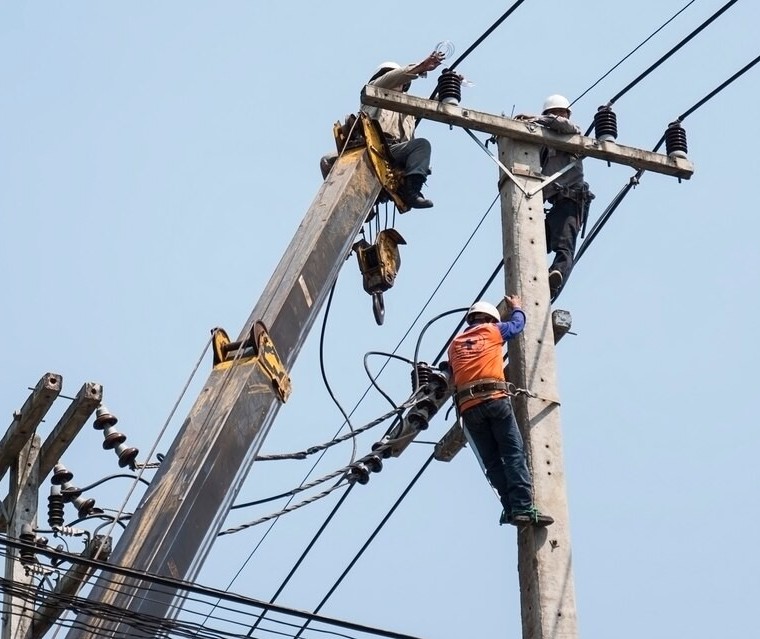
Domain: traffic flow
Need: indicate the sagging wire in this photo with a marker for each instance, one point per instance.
(372, 378)
(341, 472)
(635, 179)
(94, 608)
(306, 551)
(662, 59)
(346, 417)
(367, 390)
(291, 507)
(641, 44)
(337, 440)
(366, 545)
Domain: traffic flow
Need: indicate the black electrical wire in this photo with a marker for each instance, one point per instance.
(346, 417)
(306, 551)
(486, 33)
(452, 66)
(372, 378)
(366, 544)
(367, 390)
(635, 49)
(634, 180)
(84, 489)
(187, 587)
(673, 50)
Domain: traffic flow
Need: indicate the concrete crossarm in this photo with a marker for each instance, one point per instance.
(525, 131)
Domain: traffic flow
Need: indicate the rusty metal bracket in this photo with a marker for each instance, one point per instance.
(257, 348)
(363, 131)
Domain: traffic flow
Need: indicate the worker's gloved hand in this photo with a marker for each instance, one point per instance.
(513, 302)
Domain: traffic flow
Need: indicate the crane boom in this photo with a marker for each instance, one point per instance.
(174, 528)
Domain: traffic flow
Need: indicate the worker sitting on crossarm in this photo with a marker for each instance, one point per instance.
(410, 153)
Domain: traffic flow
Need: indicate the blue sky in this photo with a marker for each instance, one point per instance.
(157, 159)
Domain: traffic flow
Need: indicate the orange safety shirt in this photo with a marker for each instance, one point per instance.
(476, 354)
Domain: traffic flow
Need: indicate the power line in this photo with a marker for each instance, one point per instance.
(367, 543)
(672, 51)
(634, 180)
(175, 585)
(635, 49)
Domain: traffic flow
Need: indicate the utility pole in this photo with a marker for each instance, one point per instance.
(177, 522)
(29, 461)
(547, 591)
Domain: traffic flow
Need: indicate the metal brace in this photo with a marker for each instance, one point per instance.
(511, 176)
(258, 348)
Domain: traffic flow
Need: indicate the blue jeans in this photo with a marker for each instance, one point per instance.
(493, 433)
(562, 226)
(413, 155)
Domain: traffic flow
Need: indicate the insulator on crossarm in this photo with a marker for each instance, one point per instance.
(103, 418)
(113, 439)
(61, 475)
(359, 473)
(420, 375)
(26, 555)
(449, 87)
(55, 507)
(383, 444)
(605, 124)
(64, 492)
(675, 140)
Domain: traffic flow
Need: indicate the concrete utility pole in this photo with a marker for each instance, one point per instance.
(30, 461)
(177, 522)
(547, 592)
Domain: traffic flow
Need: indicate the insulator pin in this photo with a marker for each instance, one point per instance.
(61, 475)
(420, 375)
(55, 507)
(113, 439)
(103, 418)
(449, 87)
(675, 140)
(605, 124)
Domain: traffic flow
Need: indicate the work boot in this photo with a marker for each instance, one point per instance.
(410, 192)
(555, 282)
(531, 517)
(506, 518)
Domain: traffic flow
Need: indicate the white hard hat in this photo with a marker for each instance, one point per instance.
(556, 102)
(485, 308)
(387, 66)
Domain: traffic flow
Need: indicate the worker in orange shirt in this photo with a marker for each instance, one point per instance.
(477, 365)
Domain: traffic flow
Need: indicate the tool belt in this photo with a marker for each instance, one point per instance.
(479, 388)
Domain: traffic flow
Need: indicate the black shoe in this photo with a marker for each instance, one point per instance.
(411, 193)
(531, 517)
(506, 518)
(555, 281)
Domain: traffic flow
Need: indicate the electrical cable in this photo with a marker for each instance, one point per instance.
(174, 585)
(306, 551)
(372, 379)
(367, 390)
(367, 543)
(641, 44)
(485, 34)
(84, 489)
(303, 454)
(634, 180)
(662, 59)
(346, 417)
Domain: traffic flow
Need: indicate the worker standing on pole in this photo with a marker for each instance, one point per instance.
(477, 366)
(568, 195)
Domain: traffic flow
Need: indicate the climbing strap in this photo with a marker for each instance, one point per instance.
(480, 388)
